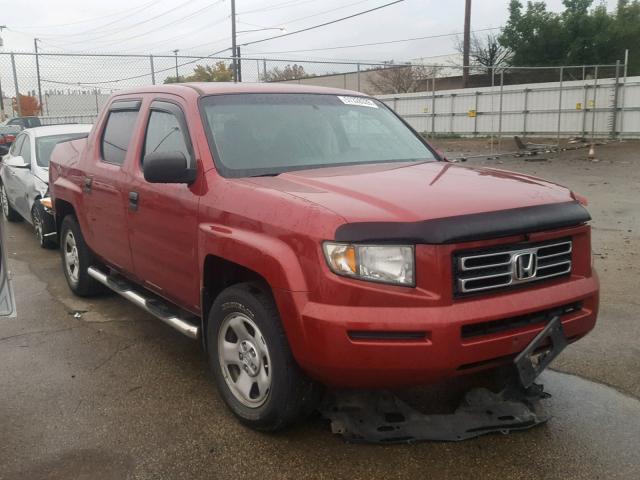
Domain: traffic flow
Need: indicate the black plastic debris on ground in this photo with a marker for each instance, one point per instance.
(381, 417)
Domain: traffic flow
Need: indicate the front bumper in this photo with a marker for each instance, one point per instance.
(323, 341)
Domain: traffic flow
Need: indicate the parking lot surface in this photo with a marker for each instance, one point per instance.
(98, 389)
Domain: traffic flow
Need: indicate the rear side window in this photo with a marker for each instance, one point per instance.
(165, 134)
(25, 151)
(117, 135)
(17, 143)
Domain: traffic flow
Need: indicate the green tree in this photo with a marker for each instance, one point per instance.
(219, 72)
(581, 34)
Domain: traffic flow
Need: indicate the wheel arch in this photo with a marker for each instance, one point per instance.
(62, 208)
(218, 274)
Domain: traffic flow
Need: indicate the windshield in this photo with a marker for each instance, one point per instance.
(267, 134)
(44, 146)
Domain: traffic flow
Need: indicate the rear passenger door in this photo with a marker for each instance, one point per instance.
(163, 219)
(106, 185)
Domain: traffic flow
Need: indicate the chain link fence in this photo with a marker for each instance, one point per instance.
(591, 100)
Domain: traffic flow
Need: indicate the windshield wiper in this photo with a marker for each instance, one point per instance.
(265, 175)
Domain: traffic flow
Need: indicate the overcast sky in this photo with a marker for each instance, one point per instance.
(203, 26)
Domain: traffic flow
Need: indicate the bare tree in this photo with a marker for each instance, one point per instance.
(486, 52)
(400, 78)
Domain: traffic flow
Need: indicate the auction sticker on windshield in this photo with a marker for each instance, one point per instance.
(358, 101)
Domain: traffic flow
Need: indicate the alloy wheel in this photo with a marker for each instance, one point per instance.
(71, 257)
(243, 355)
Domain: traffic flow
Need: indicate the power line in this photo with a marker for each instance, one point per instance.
(182, 36)
(88, 20)
(277, 6)
(323, 24)
(100, 28)
(148, 32)
(376, 43)
(142, 22)
(287, 22)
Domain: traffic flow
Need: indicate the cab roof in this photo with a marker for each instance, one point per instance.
(219, 88)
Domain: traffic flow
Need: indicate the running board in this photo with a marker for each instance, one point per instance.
(155, 307)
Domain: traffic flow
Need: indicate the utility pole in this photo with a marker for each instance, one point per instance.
(234, 52)
(35, 46)
(175, 52)
(466, 44)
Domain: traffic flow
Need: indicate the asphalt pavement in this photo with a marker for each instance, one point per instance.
(97, 389)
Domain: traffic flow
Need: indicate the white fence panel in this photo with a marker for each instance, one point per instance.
(583, 107)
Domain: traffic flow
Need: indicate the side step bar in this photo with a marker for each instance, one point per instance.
(151, 305)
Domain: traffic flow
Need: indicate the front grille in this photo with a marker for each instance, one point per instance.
(513, 323)
(481, 271)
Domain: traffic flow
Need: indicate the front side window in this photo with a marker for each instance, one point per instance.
(267, 134)
(164, 134)
(117, 135)
(45, 145)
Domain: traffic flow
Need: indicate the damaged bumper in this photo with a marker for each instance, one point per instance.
(381, 417)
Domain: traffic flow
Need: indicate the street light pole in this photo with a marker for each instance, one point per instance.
(234, 52)
(175, 52)
(35, 46)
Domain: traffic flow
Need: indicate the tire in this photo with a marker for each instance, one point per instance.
(43, 224)
(244, 320)
(76, 259)
(7, 210)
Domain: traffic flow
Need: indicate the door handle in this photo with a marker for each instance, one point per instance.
(88, 183)
(133, 200)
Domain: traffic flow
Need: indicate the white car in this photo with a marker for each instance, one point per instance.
(24, 177)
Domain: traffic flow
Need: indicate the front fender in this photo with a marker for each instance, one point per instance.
(268, 256)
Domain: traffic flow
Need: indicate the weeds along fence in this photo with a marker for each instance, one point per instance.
(591, 100)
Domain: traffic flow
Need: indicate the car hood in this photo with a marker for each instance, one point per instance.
(408, 192)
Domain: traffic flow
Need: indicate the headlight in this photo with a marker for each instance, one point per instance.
(394, 264)
(46, 203)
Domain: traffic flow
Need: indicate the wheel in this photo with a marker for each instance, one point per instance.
(7, 210)
(76, 259)
(43, 224)
(252, 364)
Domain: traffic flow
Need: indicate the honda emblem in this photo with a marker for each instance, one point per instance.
(524, 265)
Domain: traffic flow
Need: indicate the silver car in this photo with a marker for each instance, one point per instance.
(24, 177)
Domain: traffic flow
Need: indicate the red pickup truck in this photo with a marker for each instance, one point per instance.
(309, 237)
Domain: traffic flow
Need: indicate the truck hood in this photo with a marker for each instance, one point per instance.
(410, 192)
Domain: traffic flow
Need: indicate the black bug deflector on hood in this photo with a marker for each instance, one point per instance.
(470, 227)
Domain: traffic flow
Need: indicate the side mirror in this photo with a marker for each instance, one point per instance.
(17, 162)
(167, 167)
